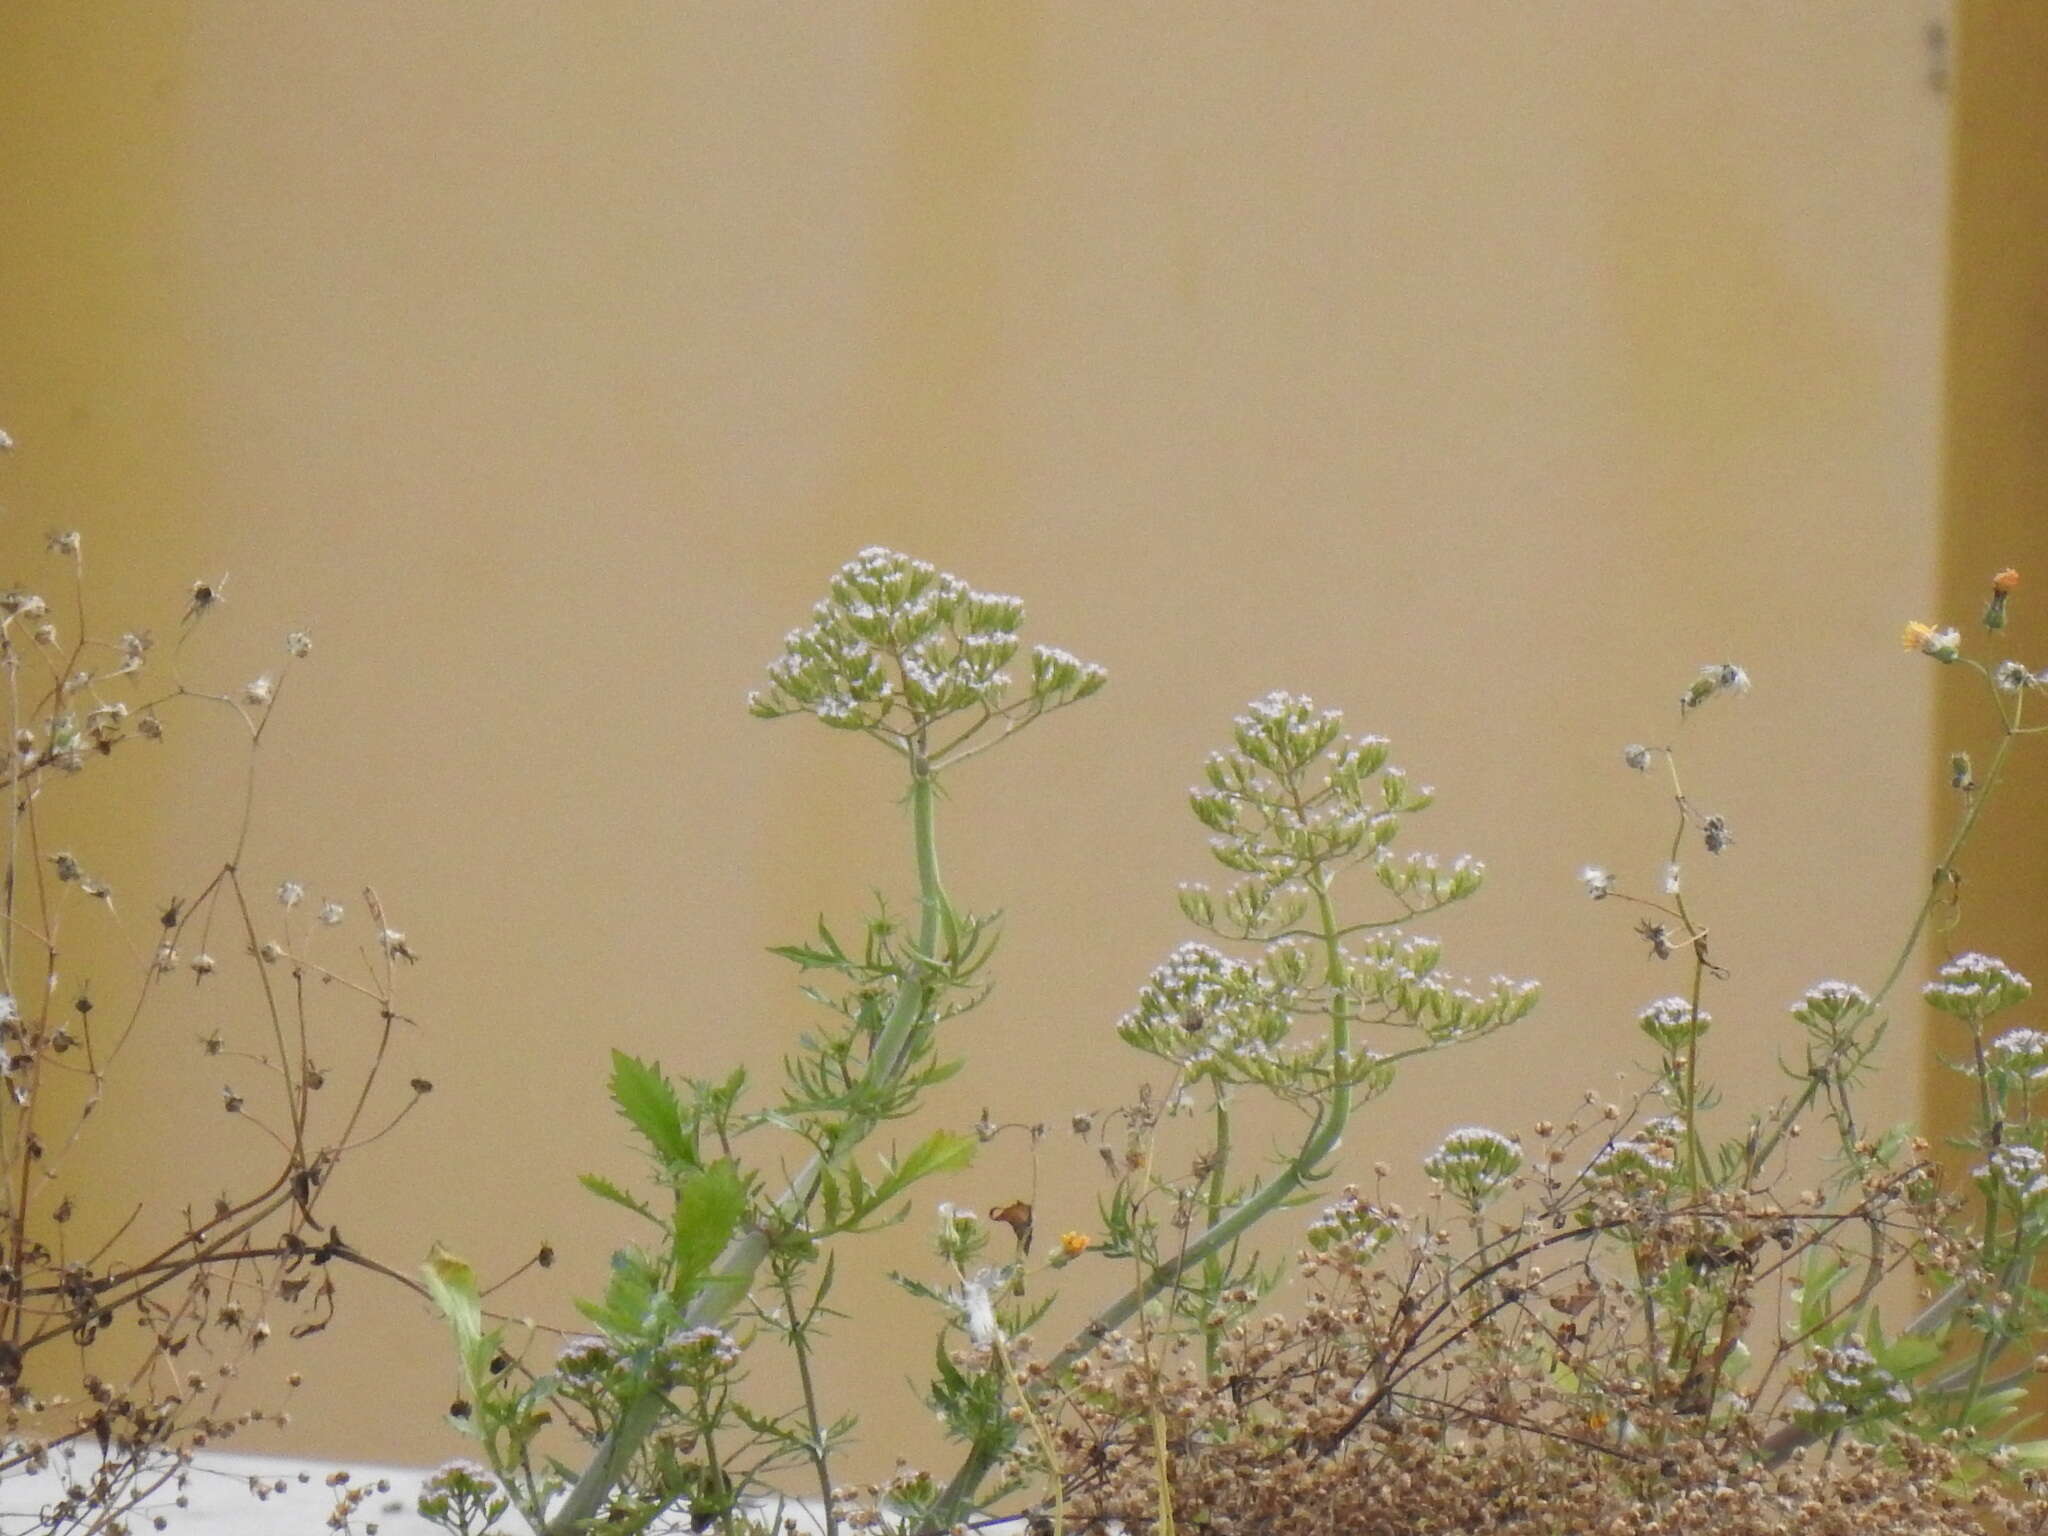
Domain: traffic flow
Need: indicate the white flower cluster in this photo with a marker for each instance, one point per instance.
(1673, 1023)
(712, 1347)
(2020, 1055)
(1474, 1164)
(1828, 1004)
(2014, 1172)
(1846, 1384)
(585, 1361)
(1631, 1164)
(1975, 986)
(1211, 1014)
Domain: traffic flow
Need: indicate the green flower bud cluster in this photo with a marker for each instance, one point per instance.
(1422, 882)
(1352, 1227)
(1297, 795)
(462, 1497)
(898, 646)
(961, 1236)
(585, 1363)
(1392, 978)
(1474, 1164)
(1975, 986)
(1637, 1163)
(1251, 909)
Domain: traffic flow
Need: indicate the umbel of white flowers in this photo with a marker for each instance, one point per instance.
(898, 650)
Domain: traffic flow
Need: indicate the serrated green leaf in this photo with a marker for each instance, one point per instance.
(920, 1289)
(628, 1297)
(710, 1205)
(605, 1189)
(648, 1101)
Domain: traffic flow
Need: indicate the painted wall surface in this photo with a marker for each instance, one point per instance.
(1480, 369)
(1995, 461)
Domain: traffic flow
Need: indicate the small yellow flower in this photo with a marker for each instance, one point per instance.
(2005, 581)
(1916, 635)
(1074, 1244)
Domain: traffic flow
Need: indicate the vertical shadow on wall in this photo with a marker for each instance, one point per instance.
(1995, 490)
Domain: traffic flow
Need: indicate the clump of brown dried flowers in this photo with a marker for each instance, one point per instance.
(1645, 1322)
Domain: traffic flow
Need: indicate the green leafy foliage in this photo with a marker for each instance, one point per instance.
(649, 1103)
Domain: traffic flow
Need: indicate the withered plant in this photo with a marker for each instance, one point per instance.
(127, 1318)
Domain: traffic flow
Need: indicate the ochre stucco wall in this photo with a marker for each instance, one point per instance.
(1480, 369)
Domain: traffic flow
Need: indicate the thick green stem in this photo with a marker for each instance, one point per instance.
(1322, 1140)
(743, 1256)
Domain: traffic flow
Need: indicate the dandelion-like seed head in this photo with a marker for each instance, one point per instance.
(1714, 678)
(976, 1301)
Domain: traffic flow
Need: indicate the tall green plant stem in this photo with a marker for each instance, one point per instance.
(1944, 874)
(733, 1274)
(1302, 1169)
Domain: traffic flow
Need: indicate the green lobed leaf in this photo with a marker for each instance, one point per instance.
(605, 1189)
(710, 1204)
(648, 1101)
